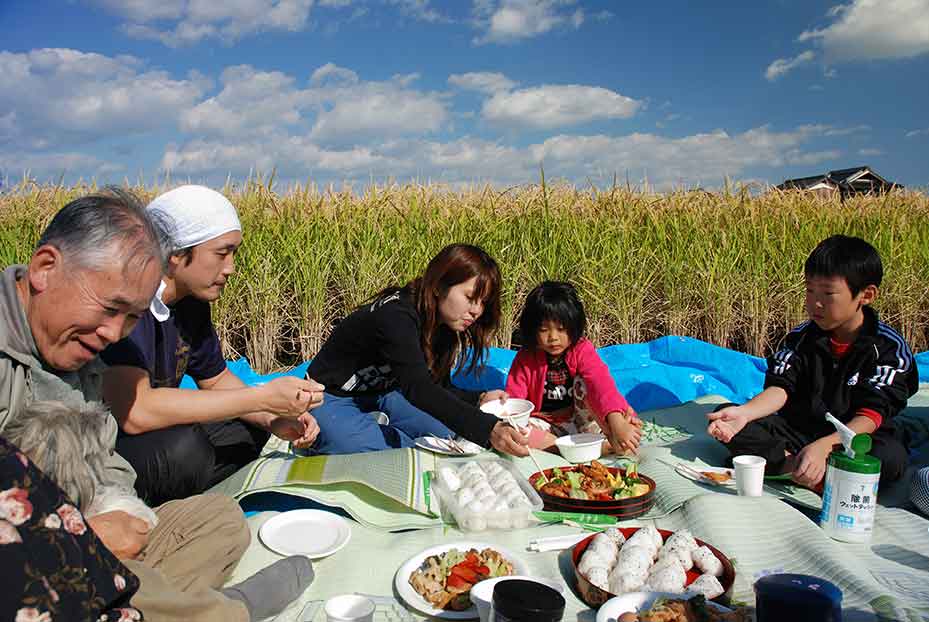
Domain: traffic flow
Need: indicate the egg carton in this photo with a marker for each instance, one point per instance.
(485, 494)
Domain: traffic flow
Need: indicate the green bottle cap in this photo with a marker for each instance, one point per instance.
(862, 462)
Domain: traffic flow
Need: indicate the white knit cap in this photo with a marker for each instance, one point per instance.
(197, 213)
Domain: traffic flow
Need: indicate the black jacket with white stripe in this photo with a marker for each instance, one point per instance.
(878, 373)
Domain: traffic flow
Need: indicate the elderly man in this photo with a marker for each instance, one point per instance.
(93, 274)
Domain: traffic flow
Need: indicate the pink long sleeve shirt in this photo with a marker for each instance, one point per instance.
(526, 379)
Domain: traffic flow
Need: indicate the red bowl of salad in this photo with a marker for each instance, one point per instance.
(596, 488)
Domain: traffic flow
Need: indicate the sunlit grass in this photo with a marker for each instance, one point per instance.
(724, 267)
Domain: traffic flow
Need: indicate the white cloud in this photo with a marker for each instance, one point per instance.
(145, 10)
(558, 106)
(697, 159)
(178, 23)
(63, 96)
(915, 133)
(333, 75)
(870, 152)
(420, 10)
(184, 22)
(874, 29)
(250, 102)
(335, 109)
(482, 82)
(52, 166)
(781, 66)
(378, 110)
(507, 21)
(664, 161)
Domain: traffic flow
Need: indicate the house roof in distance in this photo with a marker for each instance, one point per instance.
(854, 179)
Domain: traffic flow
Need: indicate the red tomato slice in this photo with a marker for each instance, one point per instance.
(457, 582)
(465, 573)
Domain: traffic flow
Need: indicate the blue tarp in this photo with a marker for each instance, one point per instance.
(657, 374)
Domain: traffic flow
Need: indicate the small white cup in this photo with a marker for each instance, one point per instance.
(380, 417)
(749, 475)
(349, 608)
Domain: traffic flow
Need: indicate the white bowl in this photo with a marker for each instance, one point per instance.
(513, 410)
(482, 593)
(580, 447)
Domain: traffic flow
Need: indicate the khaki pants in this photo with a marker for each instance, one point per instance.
(189, 555)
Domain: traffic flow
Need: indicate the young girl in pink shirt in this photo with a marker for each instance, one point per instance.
(559, 371)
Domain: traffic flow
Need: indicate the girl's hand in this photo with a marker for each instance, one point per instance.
(623, 433)
(496, 394)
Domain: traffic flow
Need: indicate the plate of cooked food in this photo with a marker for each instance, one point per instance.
(665, 607)
(622, 560)
(438, 581)
(717, 476)
(595, 488)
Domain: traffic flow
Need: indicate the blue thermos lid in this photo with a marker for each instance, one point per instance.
(798, 598)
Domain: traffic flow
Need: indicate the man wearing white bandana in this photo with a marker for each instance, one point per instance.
(182, 441)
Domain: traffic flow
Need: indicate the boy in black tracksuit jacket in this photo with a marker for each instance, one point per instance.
(843, 361)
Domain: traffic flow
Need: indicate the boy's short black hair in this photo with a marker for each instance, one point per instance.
(552, 300)
(847, 257)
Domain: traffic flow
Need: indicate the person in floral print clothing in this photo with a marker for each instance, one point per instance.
(54, 566)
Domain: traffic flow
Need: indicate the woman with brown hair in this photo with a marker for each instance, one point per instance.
(396, 354)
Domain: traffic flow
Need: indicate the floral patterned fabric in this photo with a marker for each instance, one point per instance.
(53, 565)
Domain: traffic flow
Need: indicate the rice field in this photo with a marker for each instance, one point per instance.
(723, 267)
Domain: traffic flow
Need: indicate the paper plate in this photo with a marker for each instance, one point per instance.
(719, 471)
(437, 447)
(636, 601)
(314, 533)
(412, 598)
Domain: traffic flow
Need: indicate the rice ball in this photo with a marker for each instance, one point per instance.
(492, 468)
(622, 582)
(501, 479)
(476, 506)
(706, 584)
(470, 467)
(666, 577)
(599, 577)
(634, 560)
(590, 559)
(707, 562)
(465, 496)
(644, 540)
(682, 538)
(677, 554)
(616, 536)
(449, 478)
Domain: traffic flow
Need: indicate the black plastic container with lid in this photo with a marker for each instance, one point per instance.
(797, 598)
(518, 600)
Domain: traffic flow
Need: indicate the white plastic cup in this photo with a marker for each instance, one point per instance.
(349, 608)
(749, 475)
(380, 417)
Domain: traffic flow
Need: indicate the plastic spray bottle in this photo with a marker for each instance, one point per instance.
(850, 490)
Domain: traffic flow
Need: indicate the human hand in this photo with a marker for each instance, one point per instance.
(623, 432)
(496, 394)
(123, 534)
(509, 440)
(630, 415)
(810, 465)
(301, 432)
(290, 396)
(726, 423)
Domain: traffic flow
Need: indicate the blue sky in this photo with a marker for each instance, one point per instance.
(463, 91)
